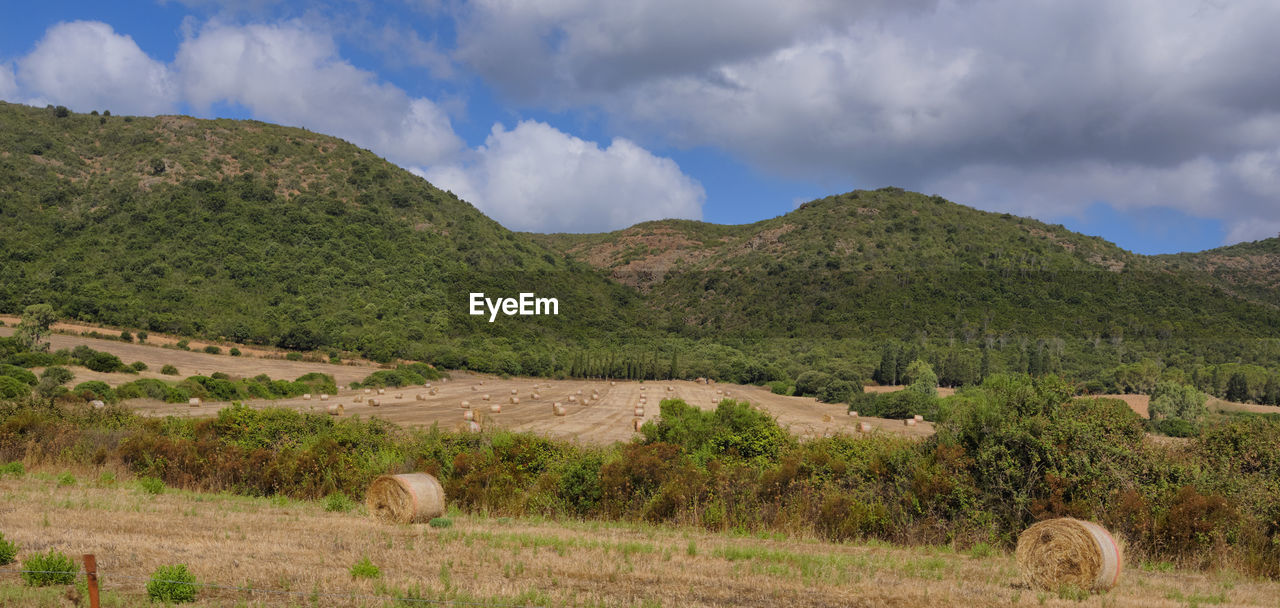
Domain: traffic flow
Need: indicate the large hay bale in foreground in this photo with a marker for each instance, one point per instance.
(1066, 551)
(405, 499)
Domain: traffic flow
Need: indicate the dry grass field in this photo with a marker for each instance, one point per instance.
(302, 555)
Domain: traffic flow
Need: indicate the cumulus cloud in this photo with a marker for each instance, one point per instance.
(292, 74)
(535, 177)
(8, 83)
(86, 65)
(1038, 107)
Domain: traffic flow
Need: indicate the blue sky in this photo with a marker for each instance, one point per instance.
(1150, 123)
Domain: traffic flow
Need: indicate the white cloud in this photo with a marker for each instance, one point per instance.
(86, 66)
(535, 177)
(292, 74)
(8, 83)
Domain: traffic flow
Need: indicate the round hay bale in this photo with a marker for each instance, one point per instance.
(719, 392)
(382, 391)
(335, 409)
(367, 391)
(306, 396)
(434, 391)
(482, 383)
(374, 403)
(427, 385)
(826, 418)
(573, 398)
(639, 412)
(918, 418)
(399, 395)
(558, 410)
(324, 397)
(420, 397)
(670, 389)
(1066, 551)
(642, 389)
(484, 397)
(864, 427)
(495, 408)
(535, 396)
(405, 499)
(194, 402)
(474, 388)
(513, 391)
(515, 400)
(636, 423)
(357, 399)
(473, 426)
(853, 413)
(468, 415)
(466, 404)
(613, 384)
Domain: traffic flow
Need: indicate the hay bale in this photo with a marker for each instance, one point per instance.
(513, 391)
(427, 385)
(335, 409)
(909, 422)
(434, 391)
(194, 402)
(670, 389)
(399, 395)
(306, 396)
(473, 427)
(382, 391)
(558, 410)
(374, 403)
(420, 397)
(826, 418)
(535, 396)
(1066, 551)
(474, 388)
(495, 408)
(324, 396)
(636, 423)
(613, 384)
(864, 427)
(357, 399)
(466, 404)
(468, 415)
(484, 397)
(918, 418)
(405, 499)
(367, 391)
(515, 400)
(639, 412)
(642, 389)
(853, 413)
(573, 398)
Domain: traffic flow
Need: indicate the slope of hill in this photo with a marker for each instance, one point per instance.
(264, 234)
(1250, 270)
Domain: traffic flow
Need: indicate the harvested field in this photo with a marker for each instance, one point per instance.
(297, 547)
(943, 391)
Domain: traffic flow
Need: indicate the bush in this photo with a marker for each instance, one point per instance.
(293, 356)
(95, 389)
(66, 479)
(338, 502)
(12, 388)
(57, 375)
(169, 370)
(212, 350)
(151, 485)
(17, 373)
(138, 366)
(365, 569)
(8, 551)
(235, 352)
(142, 336)
(45, 569)
(781, 387)
(184, 344)
(440, 522)
(172, 585)
(126, 336)
(14, 468)
(1174, 427)
(103, 362)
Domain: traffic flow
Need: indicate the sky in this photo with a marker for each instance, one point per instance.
(1152, 123)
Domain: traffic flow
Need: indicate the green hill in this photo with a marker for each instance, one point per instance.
(1250, 270)
(275, 235)
(267, 234)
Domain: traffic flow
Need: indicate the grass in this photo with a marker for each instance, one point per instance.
(302, 547)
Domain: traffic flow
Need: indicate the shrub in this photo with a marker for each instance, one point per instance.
(172, 585)
(293, 356)
(235, 352)
(213, 350)
(45, 569)
(8, 551)
(337, 502)
(103, 362)
(138, 366)
(17, 373)
(66, 479)
(440, 522)
(126, 336)
(365, 569)
(142, 336)
(169, 370)
(781, 387)
(95, 389)
(12, 388)
(57, 375)
(151, 485)
(14, 468)
(1174, 427)
(184, 344)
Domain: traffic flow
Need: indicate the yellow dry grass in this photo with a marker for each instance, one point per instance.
(298, 547)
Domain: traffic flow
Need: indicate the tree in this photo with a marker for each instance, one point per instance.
(1237, 388)
(922, 379)
(1271, 392)
(1177, 401)
(34, 327)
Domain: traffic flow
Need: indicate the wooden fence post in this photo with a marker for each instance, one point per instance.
(91, 573)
